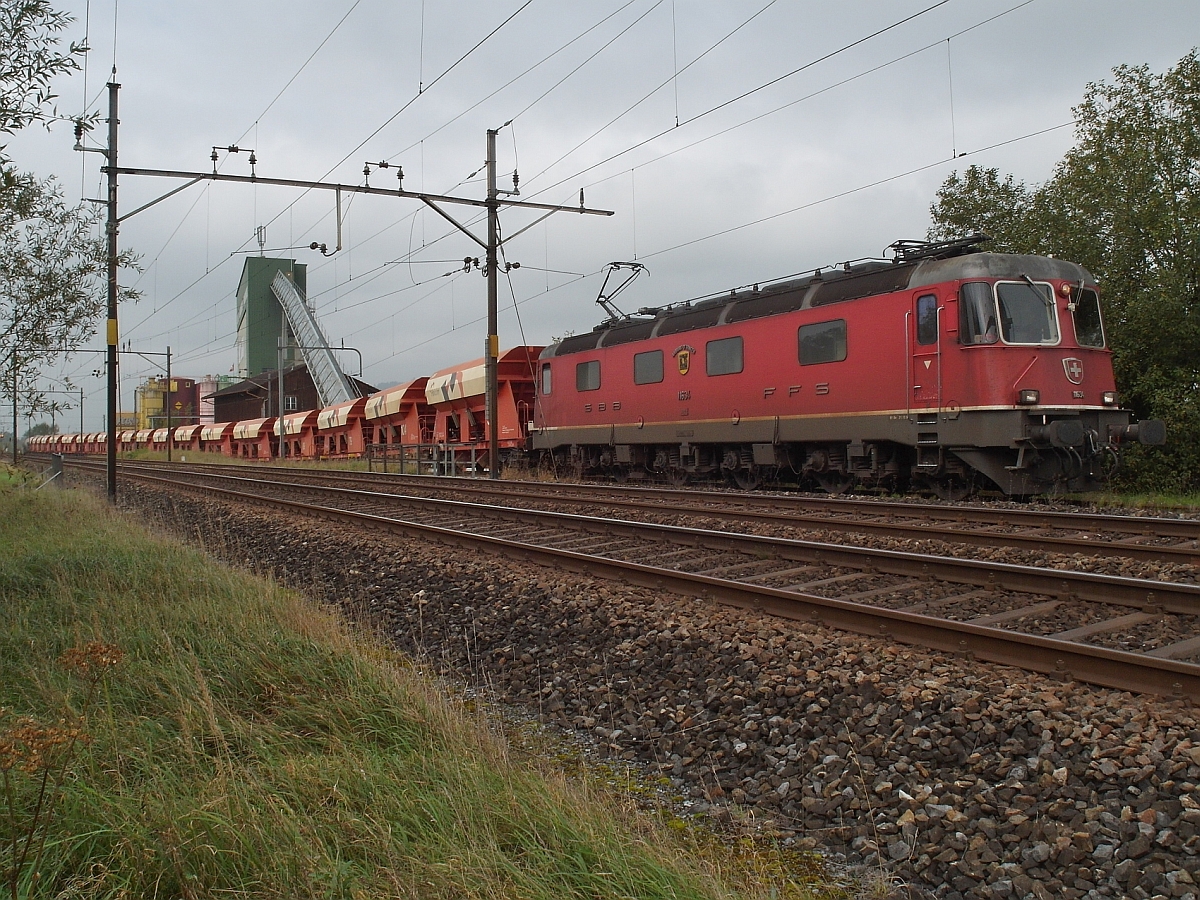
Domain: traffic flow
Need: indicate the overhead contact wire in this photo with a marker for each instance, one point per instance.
(764, 115)
(391, 119)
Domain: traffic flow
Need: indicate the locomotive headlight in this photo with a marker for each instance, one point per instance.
(1065, 289)
(1029, 397)
(1109, 398)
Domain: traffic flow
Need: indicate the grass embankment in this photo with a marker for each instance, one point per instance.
(14, 477)
(1184, 503)
(234, 738)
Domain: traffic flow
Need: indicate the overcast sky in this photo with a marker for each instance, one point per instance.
(807, 171)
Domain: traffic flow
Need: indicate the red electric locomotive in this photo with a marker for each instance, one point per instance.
(944, 368)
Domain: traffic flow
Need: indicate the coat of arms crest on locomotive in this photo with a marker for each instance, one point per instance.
(683, 358)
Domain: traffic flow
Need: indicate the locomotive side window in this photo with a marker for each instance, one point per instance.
(723, 357)
(587, 376)
(823, 342)
(648, 367)
(977, 314)
(927, 319)
(1089, 330)
(546, 383)
(1027, 312)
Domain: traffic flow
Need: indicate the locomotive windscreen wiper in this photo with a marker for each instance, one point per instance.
(1049, 301)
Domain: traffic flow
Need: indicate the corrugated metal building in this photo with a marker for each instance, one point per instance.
(260, 319)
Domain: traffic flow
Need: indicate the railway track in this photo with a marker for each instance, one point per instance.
(1128, 633)
(1144, 538)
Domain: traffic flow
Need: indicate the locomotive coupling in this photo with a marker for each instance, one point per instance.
(1147, 431)
(1059, 433)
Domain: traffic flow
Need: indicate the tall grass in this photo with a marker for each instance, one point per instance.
(249, 745)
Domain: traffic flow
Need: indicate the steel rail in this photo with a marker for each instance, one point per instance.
(685, 502)
(1137, 593)
(1062, 659)
(1187, 529)
(911, 530)
(1183, 528)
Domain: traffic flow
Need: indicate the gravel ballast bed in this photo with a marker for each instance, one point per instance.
(962, 779)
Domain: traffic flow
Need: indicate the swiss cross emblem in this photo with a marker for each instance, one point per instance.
(1074, 369)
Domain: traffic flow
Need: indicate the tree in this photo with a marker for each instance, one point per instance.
(52, 255)
(1125, 203)
(30, 60)
(41, 428)
(53, 263)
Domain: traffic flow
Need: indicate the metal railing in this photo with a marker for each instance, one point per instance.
(331, 382)
(427, 459)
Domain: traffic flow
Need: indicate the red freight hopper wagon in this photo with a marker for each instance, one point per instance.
(253, 439)
(301, 434)
(400, 415)
(187, 437)
(458, 397)
(217, 438)
(945, 368)
(340, 429)
(158, 440)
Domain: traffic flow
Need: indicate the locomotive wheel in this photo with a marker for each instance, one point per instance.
(835, 482)
(746, 479)
(951, 487)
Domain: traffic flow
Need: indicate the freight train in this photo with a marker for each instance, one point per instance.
(942, 369)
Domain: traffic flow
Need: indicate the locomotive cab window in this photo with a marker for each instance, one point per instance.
(587, 376)
(723, 357)
(1027, 312)
(648, 367)
(927, 319)
(546, 382)
(822, 342)
(1089, 329)
(977, 314)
